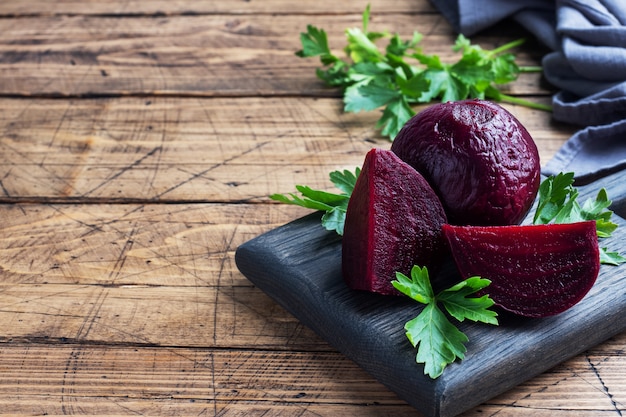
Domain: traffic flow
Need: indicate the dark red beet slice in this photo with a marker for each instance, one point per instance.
(478, 158)
(393, 222)
(535, 270)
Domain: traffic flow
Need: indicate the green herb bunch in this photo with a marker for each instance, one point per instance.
(402, 75)
(558, 203)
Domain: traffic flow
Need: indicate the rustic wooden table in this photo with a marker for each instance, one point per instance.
(139, 142)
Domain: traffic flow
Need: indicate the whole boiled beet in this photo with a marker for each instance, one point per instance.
(478, 158)
(393, 221)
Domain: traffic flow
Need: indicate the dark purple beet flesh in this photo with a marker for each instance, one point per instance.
(535, 270)
(393, 222)
(478, 158)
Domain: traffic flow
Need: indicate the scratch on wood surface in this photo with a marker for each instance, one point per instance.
(91, 227)
(92, 315)
(220, 288)
(202, 173)
(14, 157)
(124, 169)
(57, 129)
(157, 165)
(67, 385)
(121, 259)
(4, 189)
(605, 388)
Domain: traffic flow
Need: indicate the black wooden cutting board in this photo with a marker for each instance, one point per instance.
(299, 266)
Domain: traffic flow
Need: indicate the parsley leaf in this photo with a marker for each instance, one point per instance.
(334, 205)
(401, 75)
(438, 341)
(395, 115)
(558, 203)
(461, 307)
(314, 43)
(369, 97)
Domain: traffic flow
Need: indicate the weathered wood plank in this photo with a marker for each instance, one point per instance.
(194, 149)
(217, 55)
(130, 245)
(170, 381)
(104, 380)
(167, 315)
(148, 275)
(167, 7)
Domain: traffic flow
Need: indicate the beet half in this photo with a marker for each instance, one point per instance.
(535, 270)
(393, 222)
(480, 160)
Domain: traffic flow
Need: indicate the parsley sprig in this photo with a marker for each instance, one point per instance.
(557, 203)
(402, 75)
(438, 341)
(333, 205)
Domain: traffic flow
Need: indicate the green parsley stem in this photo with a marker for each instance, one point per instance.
(531, 68)
(507, 46)
(516, 100)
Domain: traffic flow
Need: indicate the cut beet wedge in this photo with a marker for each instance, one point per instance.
(535, 270)
(393, 221)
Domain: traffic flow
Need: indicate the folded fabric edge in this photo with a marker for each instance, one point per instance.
(591, 153)
(602, 108)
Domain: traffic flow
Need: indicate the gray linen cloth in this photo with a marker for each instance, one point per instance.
(587, 65)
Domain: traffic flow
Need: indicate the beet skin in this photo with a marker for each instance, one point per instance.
(535, 270)
(480, 160)
(393, 222)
